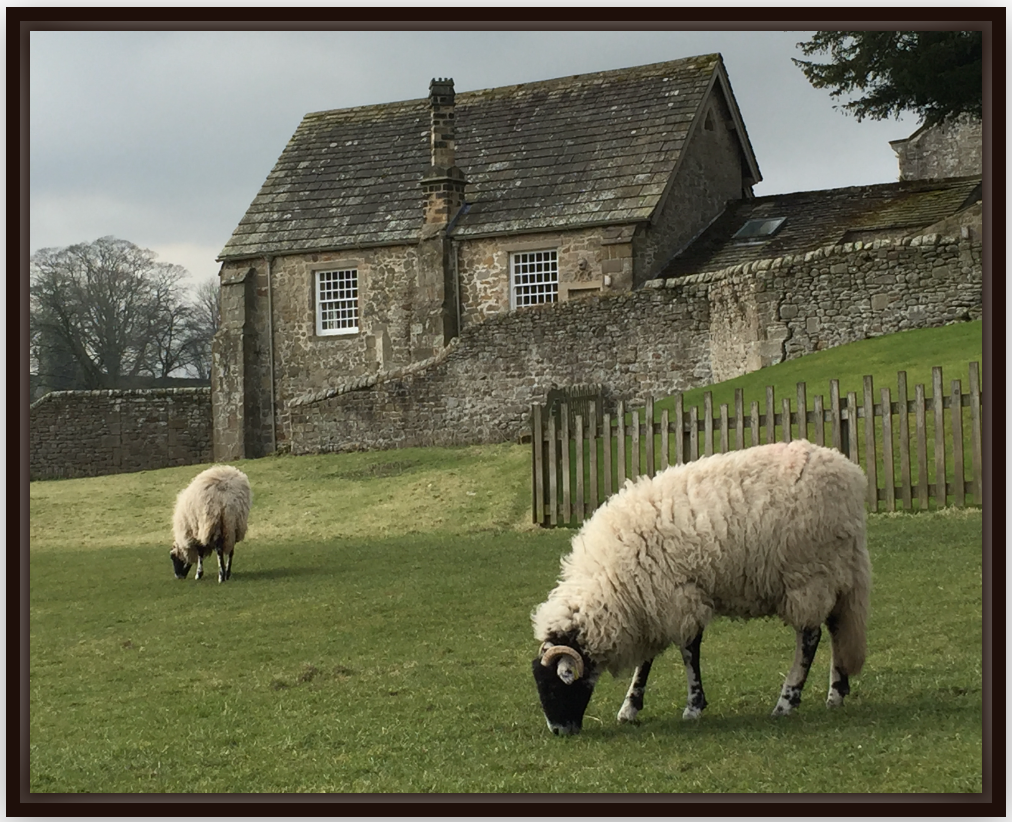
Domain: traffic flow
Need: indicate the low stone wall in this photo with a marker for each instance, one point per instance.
(669, 336)
(91, 433)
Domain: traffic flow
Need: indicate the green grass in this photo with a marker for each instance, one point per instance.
(951, 347)
(375, 637)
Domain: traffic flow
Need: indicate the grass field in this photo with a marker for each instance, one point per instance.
(375, 638)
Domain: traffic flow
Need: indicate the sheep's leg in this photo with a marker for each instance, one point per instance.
(804, 654)
(697, 699)
(224, 566)
(200, 566)
(633, 703)
(839, 683)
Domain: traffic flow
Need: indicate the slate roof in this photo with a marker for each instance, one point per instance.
(820, 218)
(591, 149)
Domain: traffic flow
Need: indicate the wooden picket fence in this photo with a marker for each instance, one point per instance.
(914, 453)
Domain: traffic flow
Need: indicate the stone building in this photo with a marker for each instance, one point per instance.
(383, 232)
(951, 149)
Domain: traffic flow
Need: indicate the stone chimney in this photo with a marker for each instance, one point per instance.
(443, 185)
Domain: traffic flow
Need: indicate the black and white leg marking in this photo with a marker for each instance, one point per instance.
(697, 699)
(633, 703)
(839, 684)
(804, 654)
(200, 566)
(224, 565)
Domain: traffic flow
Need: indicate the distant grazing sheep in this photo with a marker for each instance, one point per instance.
(211, 514)
(773, 530)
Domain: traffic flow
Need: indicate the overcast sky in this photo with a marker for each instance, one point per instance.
(163, 138)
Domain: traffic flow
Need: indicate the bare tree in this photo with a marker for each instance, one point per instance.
(110, 309)
(204, 323)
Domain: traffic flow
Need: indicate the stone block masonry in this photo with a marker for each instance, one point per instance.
(92, 433)
(671, 335)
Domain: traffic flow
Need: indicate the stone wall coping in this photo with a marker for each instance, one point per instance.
(824, 252)
(369, 380)
(113, 393)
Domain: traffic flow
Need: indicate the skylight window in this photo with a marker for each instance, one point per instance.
(759, 229)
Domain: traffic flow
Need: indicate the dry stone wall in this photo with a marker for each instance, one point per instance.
(91, 433)
(669, 336)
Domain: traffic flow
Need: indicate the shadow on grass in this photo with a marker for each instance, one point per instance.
(949, 708)
(255, 574)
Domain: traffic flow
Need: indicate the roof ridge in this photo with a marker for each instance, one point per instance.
(574, 80)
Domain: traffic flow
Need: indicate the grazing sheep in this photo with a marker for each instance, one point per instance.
(211, 514)
(773, 530)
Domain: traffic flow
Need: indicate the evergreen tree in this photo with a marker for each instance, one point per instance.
(936, 74)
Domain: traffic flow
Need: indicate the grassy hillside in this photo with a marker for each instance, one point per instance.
(952, 347)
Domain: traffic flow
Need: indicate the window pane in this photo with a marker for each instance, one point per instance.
(535, 277)
(337, 301)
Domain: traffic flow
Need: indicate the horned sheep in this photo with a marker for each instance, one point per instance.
(772, 530)
(211, 514)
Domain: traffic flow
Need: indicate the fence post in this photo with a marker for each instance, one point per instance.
(636, 468)
(802, 412)
(836, 416)
(937, 405)
(553, 473)
(739, 418)
(904, 408)
(976, 446)
(871, 463)
(771, 417)
(921, 436)
(665, 440)
(681, 444)
(620, 447)
(579, 505)
(694, 433)
(567, 510)
(820, 420)
(708, 424)
(888, 469)
(651, 466)
(537, 441)
(958, 478)
(852, 434)
(592, 453)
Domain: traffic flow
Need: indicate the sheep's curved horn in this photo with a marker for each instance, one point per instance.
(563, 650)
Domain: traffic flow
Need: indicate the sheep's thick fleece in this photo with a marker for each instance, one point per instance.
(770, 530)
(214, 506)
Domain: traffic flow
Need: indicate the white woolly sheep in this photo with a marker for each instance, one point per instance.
(773, 530)
(211, 514)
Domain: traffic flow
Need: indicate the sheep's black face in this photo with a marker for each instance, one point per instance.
(564, 698)
(179, 567)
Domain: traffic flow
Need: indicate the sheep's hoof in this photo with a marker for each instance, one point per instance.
(692, 712)
(783, 708)
(627, 713)
(835, 700)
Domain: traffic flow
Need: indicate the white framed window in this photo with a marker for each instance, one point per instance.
(534, 277)
(337, 301)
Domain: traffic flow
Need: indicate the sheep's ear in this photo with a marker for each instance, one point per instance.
(567, 671)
